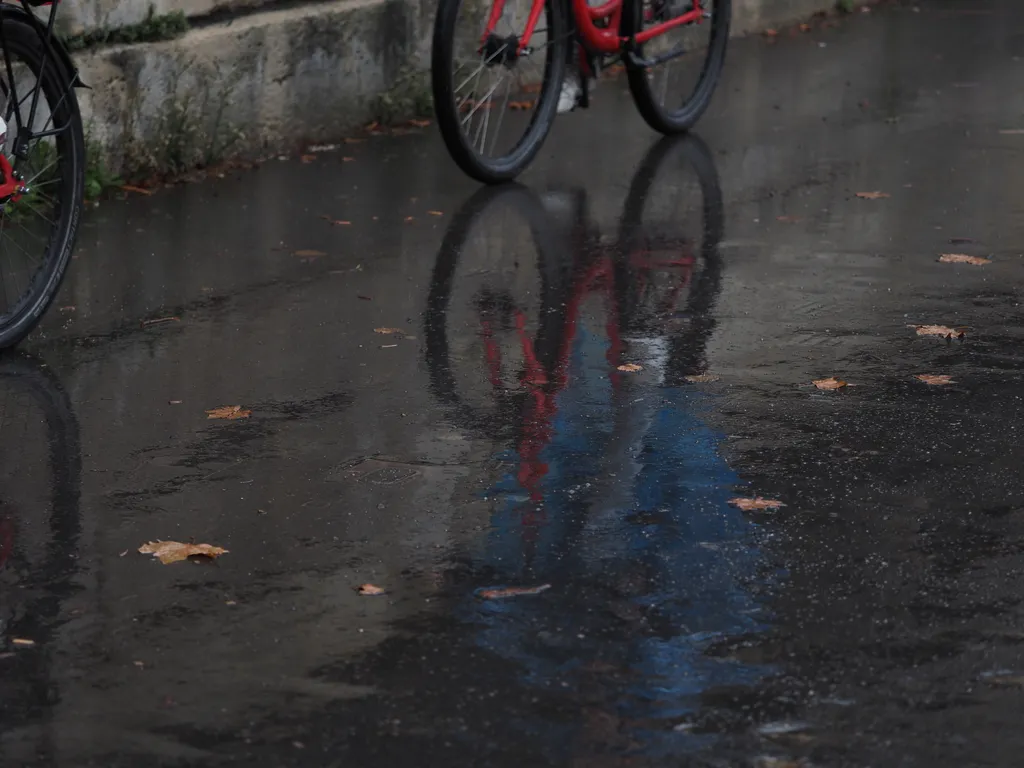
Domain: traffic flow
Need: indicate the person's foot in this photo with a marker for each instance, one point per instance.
(572, 92)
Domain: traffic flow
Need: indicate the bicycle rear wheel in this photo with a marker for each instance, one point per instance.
(662, 80)
(482, 84)
(38, 224)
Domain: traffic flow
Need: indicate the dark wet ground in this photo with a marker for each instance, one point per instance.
(875, 620)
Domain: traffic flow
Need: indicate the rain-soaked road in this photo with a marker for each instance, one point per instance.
(875, 620)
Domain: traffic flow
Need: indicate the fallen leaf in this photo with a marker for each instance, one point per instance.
(934, 378)
(630, 367)
(419, 123)
(435, 213)
(1012, 132)
(771, 32)
(938, 330)
(408, 219)
(308, 159)
(174, 402)
(137, 190)
(756, 503)
(373, 126)
(24, 642)
(228, 412)
(702, 378)
(963, 258)
(872, 195)
(830, 383)
(805, 27)
(788, 219)
(767, 761)
(347, 159)
(159, 321)
(389, 331)
(371, 589)
(503, 592)
(172, 551)
(307, 253)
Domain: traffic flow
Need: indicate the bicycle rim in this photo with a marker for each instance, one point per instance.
(37, 226)
(494, 107)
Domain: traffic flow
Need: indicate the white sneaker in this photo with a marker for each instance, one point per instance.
(571, 92)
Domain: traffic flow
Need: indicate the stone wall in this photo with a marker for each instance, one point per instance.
(272, 78)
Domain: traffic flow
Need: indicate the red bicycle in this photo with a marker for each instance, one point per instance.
(506, 69)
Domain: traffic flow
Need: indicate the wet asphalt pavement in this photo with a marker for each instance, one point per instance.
(874, 620)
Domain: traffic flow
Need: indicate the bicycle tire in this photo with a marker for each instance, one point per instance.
(25, 43)
(686, 350)
(684, 118)
(437, 348)
(506, 167)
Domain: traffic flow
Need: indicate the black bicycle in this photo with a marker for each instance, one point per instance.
(42, 166)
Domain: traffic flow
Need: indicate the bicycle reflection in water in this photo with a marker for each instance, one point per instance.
(615, 491)
(40, 528)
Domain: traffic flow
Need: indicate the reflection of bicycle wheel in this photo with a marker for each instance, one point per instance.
(490, 307)
(40, 485)
(668, 269)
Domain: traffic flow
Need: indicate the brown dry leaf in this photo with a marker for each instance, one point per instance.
(419, 123)
(630, 367)
(172, 551)
(371, 589)
(159, 321)
(805, 27)
(935, 378)
(307, 159)
(136, 190)
(228, 412)
(435, 213)
(757, 502)
(24, 642)
(498, 594)
(938, 330)
(768, 761)
(702, 378)
(872, 195)
(389, 331)
(1005, 680)
(788, 219)
(963, 258)
(373, 126)
(307, 253)
(830, 383)
(354, 141)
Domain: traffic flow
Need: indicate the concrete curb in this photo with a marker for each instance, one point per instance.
(272, 80)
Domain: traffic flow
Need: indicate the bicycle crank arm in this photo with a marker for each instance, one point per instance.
(637, 61)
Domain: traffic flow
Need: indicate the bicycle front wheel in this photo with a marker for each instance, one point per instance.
(39, 222)
(675, 74)
(495, 103)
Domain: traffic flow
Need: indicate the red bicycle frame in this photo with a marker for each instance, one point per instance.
(596, 39)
